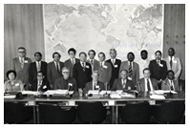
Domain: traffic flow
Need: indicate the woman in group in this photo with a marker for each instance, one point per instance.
(12, 84)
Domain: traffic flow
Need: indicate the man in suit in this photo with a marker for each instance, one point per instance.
(170, 83)
(66, 82)
(104, 70)
(54, 69)
(173, 63)
(21, 65)
(147, 83)
(115, 63)
(40, 84)
(70, 62)
(82, 72)
(37, 65)
(94, 63)
(94, 84)
(123, 83)
(132, 67)
(158, 68)
(143, 62)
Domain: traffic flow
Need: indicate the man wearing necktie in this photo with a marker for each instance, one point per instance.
(123, 83)
(94, 63)
(54, 69)
(170, 83)
(173, 63)
(147, 83)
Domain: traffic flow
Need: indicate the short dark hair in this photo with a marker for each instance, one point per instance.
(73, 50)
(10, 71)
(56, 53)
(39, 53)
(146, 69)
(172, 49)
(91, 51)
(40, 72)
(170, 71)
(131, 54)
(158, 51)
(82, 53)
(102, 54)
(145, 51)
(22, 48)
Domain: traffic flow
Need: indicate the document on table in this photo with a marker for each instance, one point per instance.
(126, 95)
(10, 97)
(114, 95)
(29, 92)
(104, 92)
(157, 97)
(164, 92)
(93, 92)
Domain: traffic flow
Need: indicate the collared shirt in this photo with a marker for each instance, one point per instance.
(131, 64)
(102, 63)
(171, 83)
(93, 84)
(82, 64)
(142, 65)
(146, 87)
(39, 84)
(171, 58)
(38, 64)
(21, 59)
(56, 65)
(73, 60)
(113, 61)
(123, 81)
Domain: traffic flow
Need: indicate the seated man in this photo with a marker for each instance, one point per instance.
(123, 83)
(94, 84)
(40, 84)
(170, 83)
(66, 82)
(147, 83)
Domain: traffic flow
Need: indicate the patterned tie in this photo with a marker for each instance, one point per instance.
(148, 85)
(57, 66)
(123, 84)
(171, 86)
(171, 63)
(83, 67)
(130, 70)
(22, 63)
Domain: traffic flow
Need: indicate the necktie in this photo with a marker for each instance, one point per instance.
(92, 63)
(123, 84)
(38, 66)
(83, 67)
(171, 63)
(72, 61)
(171, 86)
(113, 61)
(130, 70)
(39, 85)
(22, 62)
(101, 66)
(148, 85)
(57, 66)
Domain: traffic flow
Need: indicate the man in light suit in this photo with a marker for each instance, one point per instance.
(132, 67)
(169, 83)
(37, 65)
(173, 63)
(54, 69)
(158, 68)
(94, 84)
(115, 63)
(82, 72)
(147, 83)
(94, 63)
(72, 61)
(104, 70)
(123, 83)
(66, 82)
(21, 65)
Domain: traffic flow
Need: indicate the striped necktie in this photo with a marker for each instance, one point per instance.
(148, 85)
(130, 70)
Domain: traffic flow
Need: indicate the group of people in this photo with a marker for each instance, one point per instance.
(90, 74)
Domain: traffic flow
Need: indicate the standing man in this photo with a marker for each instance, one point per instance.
(37, 65)
(132, 67)
(158, 68)
(173, 63)
(66, 82)
(147, 83)
(54, 69)
(143, 62)
(123, 83)
(82, 71)
(104, 70)
(115, 63)
(70, 62)
(21, 65)
(94, 63)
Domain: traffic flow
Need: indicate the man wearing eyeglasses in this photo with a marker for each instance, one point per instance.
(66, 82)
(21, 65)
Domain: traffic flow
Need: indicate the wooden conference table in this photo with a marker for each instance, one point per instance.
(114, 103)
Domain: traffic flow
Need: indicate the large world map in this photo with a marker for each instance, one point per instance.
(126, 28)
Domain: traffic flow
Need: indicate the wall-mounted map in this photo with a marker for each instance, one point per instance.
(101, 27)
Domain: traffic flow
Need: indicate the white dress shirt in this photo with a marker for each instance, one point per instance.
(38, 64)
(83, 63)
(56, 65)
(146, 87)
(142, 65)
(123, 81)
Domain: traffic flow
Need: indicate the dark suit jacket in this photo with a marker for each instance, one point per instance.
(117, 85)
(135, 75)
(22, 73)
(95, 66)
(82, 77)
(70, 66)
(115, 70)
(61, 83)
(42, 88)
(141, 84)
(88, 86)
(166, 85)
(33, 70)
(52, 73)
(158, 72)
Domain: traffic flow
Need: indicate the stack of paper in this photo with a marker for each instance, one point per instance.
(164, 92)
(114, 95)
(126, 95)
(104, 92)
(10, 97)
(157, 97)
(29, 92)
(93, 92)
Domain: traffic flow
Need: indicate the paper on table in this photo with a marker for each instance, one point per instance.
(126, 95)
(61, 92)
(119, 91)
(164, 91)
(104, 92)
(29, 92)
(93, 92)
(10, 97)
(114, 94)
(157, 97)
